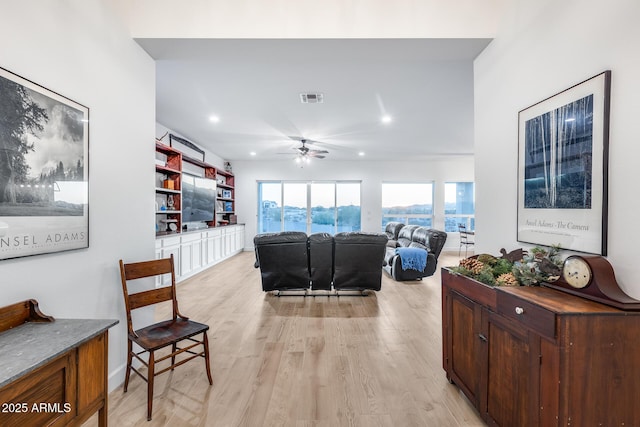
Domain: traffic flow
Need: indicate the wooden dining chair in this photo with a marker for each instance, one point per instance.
(177, 332)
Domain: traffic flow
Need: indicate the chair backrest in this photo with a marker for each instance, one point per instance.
(283, 260)
(359, 258)
(139, 270)
(406, 234)
(464, 235)
(321, 260)
(392, 229)
(431, 240)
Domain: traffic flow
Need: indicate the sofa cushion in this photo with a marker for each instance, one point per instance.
(272, 249)
(358, 260)
(321, 260)
(405, 235)
(391, 230)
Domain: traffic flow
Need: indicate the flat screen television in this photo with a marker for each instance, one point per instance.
(198, 198)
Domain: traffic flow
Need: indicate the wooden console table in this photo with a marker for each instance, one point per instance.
(533, 356)
(52, 372)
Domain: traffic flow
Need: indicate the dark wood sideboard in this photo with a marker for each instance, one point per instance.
(534, 356)
(53, 371)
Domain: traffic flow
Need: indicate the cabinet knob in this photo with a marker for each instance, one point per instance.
(519, 310)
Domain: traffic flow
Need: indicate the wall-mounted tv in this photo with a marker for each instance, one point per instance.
(198, 198)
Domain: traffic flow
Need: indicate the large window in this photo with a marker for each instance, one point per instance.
(459, 206)
(408, 202)
(311, 207)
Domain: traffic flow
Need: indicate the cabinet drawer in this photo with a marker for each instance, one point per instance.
(533, 316)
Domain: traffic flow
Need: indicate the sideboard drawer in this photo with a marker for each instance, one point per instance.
(533, 316)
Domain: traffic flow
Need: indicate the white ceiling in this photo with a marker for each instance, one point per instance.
(254, 87)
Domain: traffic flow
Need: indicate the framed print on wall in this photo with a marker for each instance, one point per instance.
(44, 170)
(563, 150)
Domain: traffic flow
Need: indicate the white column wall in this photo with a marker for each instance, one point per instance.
(542, 48)
(81, 50)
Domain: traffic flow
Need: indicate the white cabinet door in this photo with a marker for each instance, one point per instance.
(171, 246)
(239, 238)
(196, 255)
(191, 253)
(228, 238)
(217, 247)
(185, 258)
(209, 250)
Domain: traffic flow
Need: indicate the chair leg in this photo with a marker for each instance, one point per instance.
(128, 371)
(205, 342)
(174, 347)
(150, 377)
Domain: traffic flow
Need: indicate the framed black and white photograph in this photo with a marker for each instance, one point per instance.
(563, 144)
(44, 170)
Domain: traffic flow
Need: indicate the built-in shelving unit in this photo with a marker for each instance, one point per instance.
(170, 166)
(168, 190)
(225, 201)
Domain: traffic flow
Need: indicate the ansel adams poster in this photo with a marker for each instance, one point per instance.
(562, 168)
(44, 192)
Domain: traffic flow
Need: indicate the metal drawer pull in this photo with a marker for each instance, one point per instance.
(519, 310)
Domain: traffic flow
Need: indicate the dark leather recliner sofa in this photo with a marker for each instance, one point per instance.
(413, 236)
(292, 260)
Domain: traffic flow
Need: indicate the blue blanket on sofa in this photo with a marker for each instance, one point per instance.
(412, 258)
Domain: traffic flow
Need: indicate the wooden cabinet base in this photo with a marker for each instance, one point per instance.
(532, 356)
(57, 384)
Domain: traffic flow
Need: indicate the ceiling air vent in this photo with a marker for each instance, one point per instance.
(311, 98)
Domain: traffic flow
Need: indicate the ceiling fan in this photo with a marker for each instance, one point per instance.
(305, 151)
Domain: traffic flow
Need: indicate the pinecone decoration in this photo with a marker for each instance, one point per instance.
(472, 264)
(507, 279)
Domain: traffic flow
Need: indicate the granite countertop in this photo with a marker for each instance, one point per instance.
(31, 345)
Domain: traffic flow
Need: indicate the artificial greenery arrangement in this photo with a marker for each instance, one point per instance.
(515, 268)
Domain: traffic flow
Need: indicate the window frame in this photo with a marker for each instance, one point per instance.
(309, 183)
(470, 218)
(408, 217)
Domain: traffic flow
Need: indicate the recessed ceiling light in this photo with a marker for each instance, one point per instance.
(386, 119)
(253, 153)
(361, 153)
(214, 119)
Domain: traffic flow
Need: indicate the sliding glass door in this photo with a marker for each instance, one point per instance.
(294, 200)
(309, 206)
(323, 207)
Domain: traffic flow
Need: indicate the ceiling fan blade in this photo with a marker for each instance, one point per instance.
(319, 151)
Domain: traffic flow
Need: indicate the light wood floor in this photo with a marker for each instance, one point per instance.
(294, 361)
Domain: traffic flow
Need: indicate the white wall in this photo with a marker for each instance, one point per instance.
(372, 174)
(80, 50)
(543, 48)
(312, 19)
(209, 157)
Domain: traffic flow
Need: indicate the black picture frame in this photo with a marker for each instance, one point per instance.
(44, 174)
(563, 156)
(186, 147)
